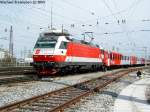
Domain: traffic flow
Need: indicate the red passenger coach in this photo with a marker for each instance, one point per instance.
(133, 60)
(115, 59)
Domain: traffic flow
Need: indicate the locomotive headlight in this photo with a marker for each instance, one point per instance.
(50, 56)
(35, 56)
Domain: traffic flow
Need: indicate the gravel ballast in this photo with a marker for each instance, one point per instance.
(99, 102)
(147, 94)
(103, 101)
(21, 91)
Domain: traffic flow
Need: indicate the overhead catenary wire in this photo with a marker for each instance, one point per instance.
(54, 13)
(124, 30)
(45, 14)
(78, 7)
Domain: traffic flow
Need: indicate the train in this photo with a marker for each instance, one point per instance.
(55, 52)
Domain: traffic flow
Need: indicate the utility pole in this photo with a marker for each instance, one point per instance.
(145, 50)
(62, 28)
(11, 42)
(51, 15)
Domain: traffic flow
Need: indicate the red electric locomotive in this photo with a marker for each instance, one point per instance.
(55, 51)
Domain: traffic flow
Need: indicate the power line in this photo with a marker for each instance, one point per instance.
(57, 14)
(133, 6)
(117, 32)
(78, 7)
(17, 19)
(124, 30)
(109, 9)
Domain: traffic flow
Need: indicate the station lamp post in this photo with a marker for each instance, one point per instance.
(145, 52)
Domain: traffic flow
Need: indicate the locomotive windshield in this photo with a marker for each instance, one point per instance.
(45, 44)
(46, 41)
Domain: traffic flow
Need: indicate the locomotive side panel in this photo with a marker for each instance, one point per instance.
(77, 52)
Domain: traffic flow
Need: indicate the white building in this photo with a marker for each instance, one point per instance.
(28, 60)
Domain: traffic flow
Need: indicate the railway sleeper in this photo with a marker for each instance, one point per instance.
(41, 104)
(65, 97)
(27, 108)
(81, 86)
(35, 108)
(59, 101)
(59, 96)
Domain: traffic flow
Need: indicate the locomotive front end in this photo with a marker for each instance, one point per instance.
(47, 55)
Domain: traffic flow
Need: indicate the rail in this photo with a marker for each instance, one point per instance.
(60, 99)
(16, 70)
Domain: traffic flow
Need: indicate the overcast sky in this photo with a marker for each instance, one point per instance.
(102, 17)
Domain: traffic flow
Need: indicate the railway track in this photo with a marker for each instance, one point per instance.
(9, 80)
(60, 99)
(16, 70)
(9, 75)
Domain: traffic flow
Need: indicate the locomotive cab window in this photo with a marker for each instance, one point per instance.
(46, 41)
(63, 45)
(45, 44)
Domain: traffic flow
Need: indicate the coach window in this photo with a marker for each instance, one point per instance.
(121, 57)
(63, 45)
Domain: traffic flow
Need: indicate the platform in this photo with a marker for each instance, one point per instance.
(132, 98)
